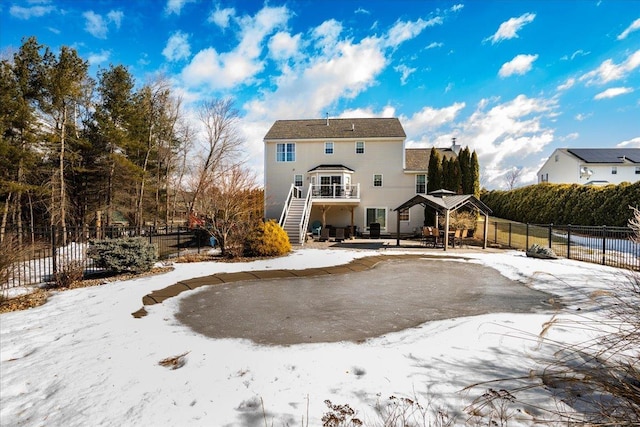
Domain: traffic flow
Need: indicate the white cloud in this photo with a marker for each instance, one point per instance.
(406, 30)
(405, 73)
(613, 92)
(631, 143)
(582, 117)
(567, 85)
(635, 25)
(570, 137)
(283, 46)
(387, 111)
(99, 58)
(175, 6)
(222, 17)
(326, 35)
(362, 11)
(509, 29)
(420, 126)
(177, 47)
(97, 26)
(521, 64)
(30, 12)
(115, 16)
(608, 71)
(457, 7)
(433, 45)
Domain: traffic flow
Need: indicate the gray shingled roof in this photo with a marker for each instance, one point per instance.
(417, 159)
(606, 155)
(337, 128)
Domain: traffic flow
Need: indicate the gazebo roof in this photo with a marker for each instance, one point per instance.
(445, 202)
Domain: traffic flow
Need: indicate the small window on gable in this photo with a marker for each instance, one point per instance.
(614, 170)
(359, 147)
(556, 157)
(328, 147)
(377, 180)
(637, 170)
(404, 214)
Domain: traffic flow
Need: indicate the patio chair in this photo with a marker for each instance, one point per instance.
(339, 234)
(324, 234)
(457, 238)
(428, 237)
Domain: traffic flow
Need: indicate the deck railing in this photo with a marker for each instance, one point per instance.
(335, 191)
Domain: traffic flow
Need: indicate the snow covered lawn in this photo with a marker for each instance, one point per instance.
(82, 359)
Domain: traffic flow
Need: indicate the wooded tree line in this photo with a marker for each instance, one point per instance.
(73, 145)
(459, 174)
(565, 204)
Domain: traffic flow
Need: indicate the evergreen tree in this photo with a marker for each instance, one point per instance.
(456, 183)
(434, 171)
(475, 175)
(464, 160)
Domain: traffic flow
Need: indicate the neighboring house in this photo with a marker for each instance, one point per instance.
(591, 166)
(344, 173)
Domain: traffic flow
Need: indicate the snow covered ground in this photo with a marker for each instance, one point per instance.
(82, 359)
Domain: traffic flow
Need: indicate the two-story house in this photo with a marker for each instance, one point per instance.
(343, 173)
(591, 166)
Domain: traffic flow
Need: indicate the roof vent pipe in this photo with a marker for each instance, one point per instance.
(353, 127)
(327, 119)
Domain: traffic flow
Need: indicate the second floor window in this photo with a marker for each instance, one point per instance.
(377, 180)
(614, 170)
(328, 147)
(421, 184)
(286, 152)
(360, 147)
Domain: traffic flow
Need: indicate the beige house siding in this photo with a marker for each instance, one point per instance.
(382, 155)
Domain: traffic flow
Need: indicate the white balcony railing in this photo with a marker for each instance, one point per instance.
(335, 191)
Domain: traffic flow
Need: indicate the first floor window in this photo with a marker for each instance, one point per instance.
(614, 170)
(297, 180)
(377, 180)
(378, 215)
(404, 214)
(421, 184)
(286, 152)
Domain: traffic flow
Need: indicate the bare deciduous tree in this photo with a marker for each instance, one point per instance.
(513, 176)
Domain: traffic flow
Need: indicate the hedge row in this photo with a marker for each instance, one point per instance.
(566, 204)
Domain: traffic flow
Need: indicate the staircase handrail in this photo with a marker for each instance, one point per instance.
(306, 213)
(287, 204)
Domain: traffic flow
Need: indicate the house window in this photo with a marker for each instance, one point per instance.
(404, 214)
(359, 147)
(637, 170)
(377, 180)
(297, 180)
(614, 170)
(286, 152)
(556, 157)
(328, 147)
(421, 184)
(378, 215)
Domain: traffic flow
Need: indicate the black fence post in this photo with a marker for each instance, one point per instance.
(604, 243)
(495, 232)
(550, 235)
(54, 263)
(569, 241)
(178, 241)
(527, 238)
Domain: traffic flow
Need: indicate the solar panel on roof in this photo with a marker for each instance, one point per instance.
(607, 155)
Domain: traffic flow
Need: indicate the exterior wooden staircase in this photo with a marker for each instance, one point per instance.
(293, 220)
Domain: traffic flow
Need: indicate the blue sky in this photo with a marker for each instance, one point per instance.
(513, 80)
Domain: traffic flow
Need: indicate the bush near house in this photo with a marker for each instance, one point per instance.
(268, 239)
(129, 254)
(566, 204)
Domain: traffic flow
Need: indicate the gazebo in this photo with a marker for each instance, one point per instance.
(444, 202)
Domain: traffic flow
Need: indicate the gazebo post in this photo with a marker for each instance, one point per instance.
(397, 228)
(486, 230)
(446, 229)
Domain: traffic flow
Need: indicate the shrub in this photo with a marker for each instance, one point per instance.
(69, 273)
(268, 239)
(129, 254)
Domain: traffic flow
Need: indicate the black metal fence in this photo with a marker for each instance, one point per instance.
(41, 252)
(613, 246)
